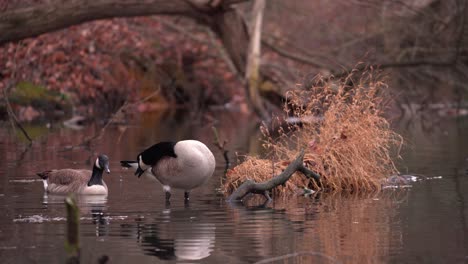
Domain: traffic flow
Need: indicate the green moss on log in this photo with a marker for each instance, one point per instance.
(28, 94)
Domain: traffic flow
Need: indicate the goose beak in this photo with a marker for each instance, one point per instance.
(107, 169)
(139, 172)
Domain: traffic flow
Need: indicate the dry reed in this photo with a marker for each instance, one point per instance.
(346, 138)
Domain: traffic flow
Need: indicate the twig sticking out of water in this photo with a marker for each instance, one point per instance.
(11, 115)
(221, 146)
(72, 245)
(263, 188)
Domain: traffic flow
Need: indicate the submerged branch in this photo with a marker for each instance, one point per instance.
(263, 188)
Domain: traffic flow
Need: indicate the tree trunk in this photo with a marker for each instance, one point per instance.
(252, 74)
(232, 30)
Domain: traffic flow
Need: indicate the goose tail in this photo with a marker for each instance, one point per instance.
(133, 164)
(43, 175)
(129, 163)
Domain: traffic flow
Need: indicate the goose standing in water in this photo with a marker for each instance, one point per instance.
(78, 181)
(185, 165)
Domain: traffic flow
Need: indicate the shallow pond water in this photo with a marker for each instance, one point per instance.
(426, 223)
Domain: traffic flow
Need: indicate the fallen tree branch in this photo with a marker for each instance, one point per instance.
(33, 20)
(263, 188)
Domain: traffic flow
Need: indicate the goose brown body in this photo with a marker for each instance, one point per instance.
(72, 181)
(80, 181)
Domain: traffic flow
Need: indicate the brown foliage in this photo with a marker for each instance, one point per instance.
(342, 129)
(100, 64)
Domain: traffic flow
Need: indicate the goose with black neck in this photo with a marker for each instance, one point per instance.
(80, 181)
(185, 165)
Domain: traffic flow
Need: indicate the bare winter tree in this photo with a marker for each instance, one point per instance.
(422, 43)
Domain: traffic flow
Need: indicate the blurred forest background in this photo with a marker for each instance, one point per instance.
(196, 52)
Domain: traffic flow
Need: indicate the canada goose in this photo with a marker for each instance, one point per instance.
(185, 165)
(64, 181)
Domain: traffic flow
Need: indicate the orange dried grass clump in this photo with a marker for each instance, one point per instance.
(345, 136)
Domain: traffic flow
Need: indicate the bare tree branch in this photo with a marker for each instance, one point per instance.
(461, 30)
(294, 56)
(322, 54)
(385, 65)
(11, 114)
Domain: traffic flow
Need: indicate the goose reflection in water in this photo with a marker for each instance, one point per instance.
(178, 235)
(89, 205)
(84, 202)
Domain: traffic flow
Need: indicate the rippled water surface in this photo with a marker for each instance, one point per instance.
(426, 223)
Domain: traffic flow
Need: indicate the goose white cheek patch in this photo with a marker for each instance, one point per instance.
(97, 164)
(143, 166)
(45, 184)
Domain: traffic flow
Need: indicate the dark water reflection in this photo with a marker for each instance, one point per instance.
(424, 224)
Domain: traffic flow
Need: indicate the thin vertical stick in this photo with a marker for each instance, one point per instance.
(11, 115)
(221, 146)
(72, 245)
(13, 119)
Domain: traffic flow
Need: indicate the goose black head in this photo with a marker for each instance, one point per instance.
(152, 155)
(142, 166)
(102, 163)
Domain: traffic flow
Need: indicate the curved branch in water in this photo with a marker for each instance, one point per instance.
(263, 188)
